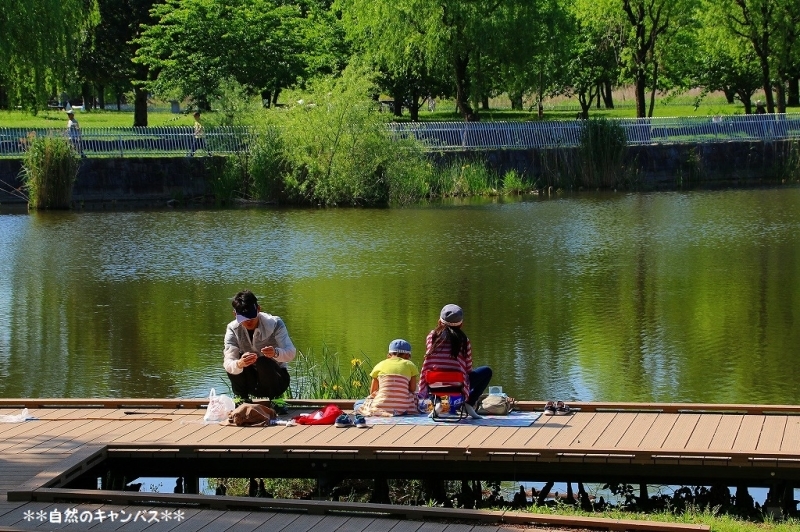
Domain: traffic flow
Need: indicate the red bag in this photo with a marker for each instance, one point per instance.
(323, 416)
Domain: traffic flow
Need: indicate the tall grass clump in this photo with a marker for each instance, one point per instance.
(49, 169)
(464, 178)
(339, 151)
(601, 153)
(513, 183)
(324, 378)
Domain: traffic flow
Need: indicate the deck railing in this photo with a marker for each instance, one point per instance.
(439, 136)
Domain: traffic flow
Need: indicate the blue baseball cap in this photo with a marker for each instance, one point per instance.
(400, 346)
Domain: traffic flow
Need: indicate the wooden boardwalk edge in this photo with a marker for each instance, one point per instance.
(347, 404)
(224, 503)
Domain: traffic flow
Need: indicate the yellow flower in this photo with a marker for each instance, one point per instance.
(356, 362)
(335, 386)
(357, 384)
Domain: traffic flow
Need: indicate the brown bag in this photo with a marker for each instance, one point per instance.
(248, 415)
(495, 405)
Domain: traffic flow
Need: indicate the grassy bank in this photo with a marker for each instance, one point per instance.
(556, 108)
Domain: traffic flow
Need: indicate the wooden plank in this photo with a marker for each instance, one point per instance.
(405, 526)
(252, 521)
(588, 435)
(432, 527)
(384, 439)
(415, 437)
(791, 439)
(302, 523)
(614, 432)
(657, 434)
(639, 427)
(454, 436)
(749, 432)
(704, 432)
(726, 432)
(357, 524)
(681, 431)
(571, 427)
(772, 434)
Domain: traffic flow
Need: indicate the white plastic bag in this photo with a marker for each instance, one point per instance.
(15, 419)
(218, 407)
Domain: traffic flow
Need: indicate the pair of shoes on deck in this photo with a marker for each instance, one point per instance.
(345, 421)
(557, 408)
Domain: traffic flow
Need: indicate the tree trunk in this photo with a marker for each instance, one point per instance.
(414, 104)
(767, 84)
(88, 96)
(140, 107)
(729, 94)
(101, 96)
(640, 95)
(608, 97)
(653, 91)
(398, 96)
(485, 103)
(462, 88)
(780, 94)
(746, 99)
(266, 99)
(793, 99)
(516, 101)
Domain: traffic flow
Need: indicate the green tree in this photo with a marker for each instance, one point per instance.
(649, 27)
(468, 39)
(725, 61)
(771, 28)
(39, 40)
(107, 57)
(265, 45)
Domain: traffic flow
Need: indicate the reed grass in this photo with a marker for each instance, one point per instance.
(323, 377)
(49, 170)
(601, 153)
(513, 183)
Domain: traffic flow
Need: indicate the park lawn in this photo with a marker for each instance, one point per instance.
(445, 111)
(89, 119)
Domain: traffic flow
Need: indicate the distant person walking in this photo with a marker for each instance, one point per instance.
(74, 132)
(760, 110)
(199, 139)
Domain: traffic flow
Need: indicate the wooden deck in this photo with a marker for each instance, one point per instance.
(754, 445)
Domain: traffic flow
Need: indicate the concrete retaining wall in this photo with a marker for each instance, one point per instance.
(156, 180)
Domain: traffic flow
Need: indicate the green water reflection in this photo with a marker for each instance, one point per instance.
(626, 297)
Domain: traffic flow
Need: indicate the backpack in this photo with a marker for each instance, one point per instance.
(495, 405)
(248, 415)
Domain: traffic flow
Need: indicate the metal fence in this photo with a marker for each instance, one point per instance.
(136, 141)
(440, 136)
(639, 131)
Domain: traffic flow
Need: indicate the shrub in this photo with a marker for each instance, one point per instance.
(513, 183)
(49, 169)
(601, 153)
(339, 151)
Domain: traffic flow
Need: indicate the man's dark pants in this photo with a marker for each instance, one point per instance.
(265, 378)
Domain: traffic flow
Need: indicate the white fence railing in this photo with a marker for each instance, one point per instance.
(439, 136)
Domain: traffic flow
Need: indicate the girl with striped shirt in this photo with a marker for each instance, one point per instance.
(447, 348)
(394, 382)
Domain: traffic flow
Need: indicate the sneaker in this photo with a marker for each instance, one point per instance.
(360, 421)
(343, 421)
(549, 408)
(562, 409)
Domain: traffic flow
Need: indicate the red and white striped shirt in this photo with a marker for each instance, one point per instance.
(437, 358)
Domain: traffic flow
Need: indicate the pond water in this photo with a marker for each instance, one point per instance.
(670, 297)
